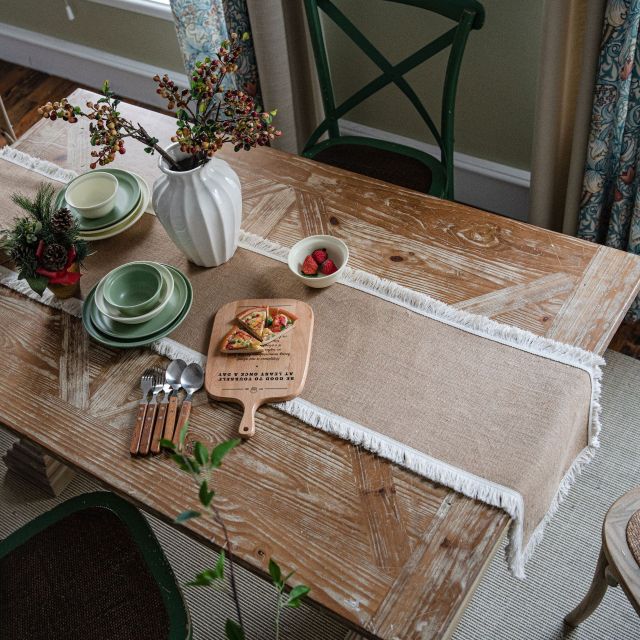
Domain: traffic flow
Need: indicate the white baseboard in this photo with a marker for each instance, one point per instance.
(84, 65)
(478, 182)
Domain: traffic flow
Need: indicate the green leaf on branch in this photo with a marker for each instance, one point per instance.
(221, 451)
(205, 495)
(209, 576)
(201, 453)
(185, 463)
(37, 283)
(233, 630)
(203, 579)
(296, 595)
(219, 570)
(167, 444)
(187, 515)
(183, 433)
(275, 573)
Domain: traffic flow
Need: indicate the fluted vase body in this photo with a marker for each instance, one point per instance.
(200, 209)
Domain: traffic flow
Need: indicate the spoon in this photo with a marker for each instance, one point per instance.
(167, 407)
(191, 380)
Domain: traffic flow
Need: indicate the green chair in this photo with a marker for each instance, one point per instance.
(388, 161)
(89, 568)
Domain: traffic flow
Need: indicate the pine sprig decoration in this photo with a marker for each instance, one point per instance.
(44, 243)
(40, 207)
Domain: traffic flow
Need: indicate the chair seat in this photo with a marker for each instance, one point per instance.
(383, 164)
(82, 577)
(633, 536)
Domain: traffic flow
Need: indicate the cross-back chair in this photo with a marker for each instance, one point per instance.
(381, 159)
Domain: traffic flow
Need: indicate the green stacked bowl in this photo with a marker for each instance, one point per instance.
(136, 304)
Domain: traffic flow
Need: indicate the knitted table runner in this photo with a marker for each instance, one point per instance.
(492, 411)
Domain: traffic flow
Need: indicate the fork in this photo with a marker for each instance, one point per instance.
(158, 429)
(150, 416)
(147, 382)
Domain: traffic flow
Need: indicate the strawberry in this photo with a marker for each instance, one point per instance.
(309, 266)
(320, 255)
(328, 267)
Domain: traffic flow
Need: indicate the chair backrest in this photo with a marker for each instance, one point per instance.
(468, 14)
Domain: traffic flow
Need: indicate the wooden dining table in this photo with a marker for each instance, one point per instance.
(390, 553)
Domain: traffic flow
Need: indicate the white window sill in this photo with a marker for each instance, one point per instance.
(146, 7)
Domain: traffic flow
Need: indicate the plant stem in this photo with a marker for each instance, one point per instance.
(278, 609)
(232, 577)
(147, 139)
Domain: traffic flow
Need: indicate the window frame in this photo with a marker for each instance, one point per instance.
(145, 7)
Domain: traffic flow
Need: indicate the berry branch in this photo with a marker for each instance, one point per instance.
(209, 114)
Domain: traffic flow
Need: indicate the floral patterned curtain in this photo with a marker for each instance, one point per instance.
(201, 26)
(610, 206)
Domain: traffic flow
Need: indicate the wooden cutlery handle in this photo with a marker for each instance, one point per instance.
(170, 420)
(147, 430)
(158, 429)
(137, 430)
(185, 412)
(248, 422)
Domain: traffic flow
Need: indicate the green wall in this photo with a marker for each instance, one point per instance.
(496, 92)
(496, 96)
(125, 33)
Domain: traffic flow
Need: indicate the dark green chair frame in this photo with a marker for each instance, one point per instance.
(469, 14)
(179, 620)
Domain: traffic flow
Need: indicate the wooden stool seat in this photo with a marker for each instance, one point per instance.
(633, 535)
(619, 560)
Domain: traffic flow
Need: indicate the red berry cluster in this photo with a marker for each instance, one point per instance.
(318, 263)
(201, 129)
(62, 109)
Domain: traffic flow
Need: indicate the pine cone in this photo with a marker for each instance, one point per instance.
(22, 255)
(54, 257)
(62, 220)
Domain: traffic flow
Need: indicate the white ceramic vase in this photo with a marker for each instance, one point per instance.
(201, 209)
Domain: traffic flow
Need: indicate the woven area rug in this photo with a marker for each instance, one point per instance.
(386, 367)
(503, 608)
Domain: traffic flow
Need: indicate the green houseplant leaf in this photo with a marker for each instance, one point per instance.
(233, 630)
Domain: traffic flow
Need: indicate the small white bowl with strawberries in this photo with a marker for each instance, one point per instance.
(318, 261)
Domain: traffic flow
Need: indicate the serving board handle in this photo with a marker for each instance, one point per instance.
(248, 422)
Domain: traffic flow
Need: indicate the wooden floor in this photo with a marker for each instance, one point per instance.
(23, 90)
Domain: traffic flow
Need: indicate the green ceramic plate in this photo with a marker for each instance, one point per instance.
(123, 225)
(127, 199)
(123, 343)
(123, 331)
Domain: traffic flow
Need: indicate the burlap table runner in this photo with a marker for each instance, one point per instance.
(489, 410)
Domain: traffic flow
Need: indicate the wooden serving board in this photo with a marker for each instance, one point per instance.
(251, 380)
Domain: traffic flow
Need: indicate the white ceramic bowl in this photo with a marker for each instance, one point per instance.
(107, 310)
(92, 194)
(337, 250)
